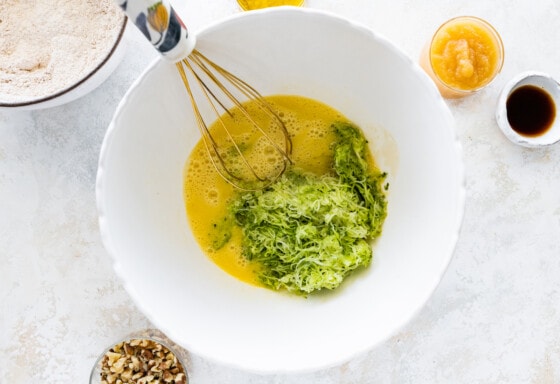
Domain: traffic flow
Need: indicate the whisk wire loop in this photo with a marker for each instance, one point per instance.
(209, 142)
(202, 68)
(212, 100)
(249, 92)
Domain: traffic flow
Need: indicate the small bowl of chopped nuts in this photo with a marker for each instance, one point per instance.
(146, 357)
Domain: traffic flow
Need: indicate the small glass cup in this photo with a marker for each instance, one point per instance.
(453, 41)
(249, 5)
(153, 335)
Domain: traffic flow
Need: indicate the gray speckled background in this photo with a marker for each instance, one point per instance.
(493, 319)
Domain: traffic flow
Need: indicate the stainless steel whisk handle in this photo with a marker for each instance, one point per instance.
(160, 24)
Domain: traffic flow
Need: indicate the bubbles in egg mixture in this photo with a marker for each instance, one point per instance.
(212, 195)
(204, 186)
(249, 150)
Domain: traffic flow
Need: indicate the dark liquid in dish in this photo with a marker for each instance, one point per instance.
(530, 110)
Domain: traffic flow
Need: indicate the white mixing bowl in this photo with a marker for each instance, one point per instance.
(142, 211)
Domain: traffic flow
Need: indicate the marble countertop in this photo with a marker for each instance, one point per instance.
(495, 317)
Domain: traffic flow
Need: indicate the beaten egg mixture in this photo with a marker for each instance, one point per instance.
(207, 195)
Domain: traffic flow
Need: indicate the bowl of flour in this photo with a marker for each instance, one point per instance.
(54, 51)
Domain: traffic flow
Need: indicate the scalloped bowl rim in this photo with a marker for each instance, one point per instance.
(333, 357)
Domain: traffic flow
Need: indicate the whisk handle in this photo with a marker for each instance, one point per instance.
(160, 24)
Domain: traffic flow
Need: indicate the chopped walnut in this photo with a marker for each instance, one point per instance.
(141, 361)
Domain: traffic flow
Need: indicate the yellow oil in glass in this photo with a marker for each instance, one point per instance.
(249, 5)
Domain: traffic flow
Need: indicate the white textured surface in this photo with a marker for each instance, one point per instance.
(494, 318)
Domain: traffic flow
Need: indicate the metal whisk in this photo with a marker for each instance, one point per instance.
(235, 157)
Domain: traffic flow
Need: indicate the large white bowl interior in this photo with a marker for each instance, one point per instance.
(142, 211)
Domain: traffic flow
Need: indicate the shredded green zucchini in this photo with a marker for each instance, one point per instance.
(309, 232)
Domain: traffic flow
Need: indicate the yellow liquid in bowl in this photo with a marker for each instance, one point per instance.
(207, 195)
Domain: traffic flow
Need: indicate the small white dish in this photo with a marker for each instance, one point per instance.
(539, 80)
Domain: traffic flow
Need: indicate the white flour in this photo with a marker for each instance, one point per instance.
(48, 45)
